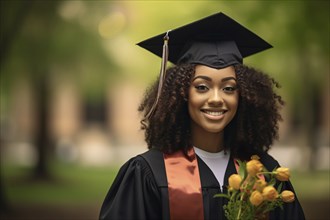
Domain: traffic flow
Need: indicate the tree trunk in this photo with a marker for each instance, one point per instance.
(41, 169)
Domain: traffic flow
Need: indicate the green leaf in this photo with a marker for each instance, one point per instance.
(221, 195)
(279, 188)
(272, 182)
(242, 169)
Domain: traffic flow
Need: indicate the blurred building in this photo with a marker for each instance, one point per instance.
(102, 133)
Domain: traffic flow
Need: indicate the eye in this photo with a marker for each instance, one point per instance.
(229, 89)
(201, 88)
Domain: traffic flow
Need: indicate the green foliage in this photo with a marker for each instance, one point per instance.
(48, 45)
(232, 208)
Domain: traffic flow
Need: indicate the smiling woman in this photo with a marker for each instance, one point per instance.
(199, 117)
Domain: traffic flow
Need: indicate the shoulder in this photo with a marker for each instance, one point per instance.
(134, 167)
(143, 158)
(151, 155)
(155, 160)
(146, 164)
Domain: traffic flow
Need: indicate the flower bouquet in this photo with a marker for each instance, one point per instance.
(250, 196)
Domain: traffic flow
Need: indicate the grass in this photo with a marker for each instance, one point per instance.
(70, 184)
(87, 185)
(312, 185)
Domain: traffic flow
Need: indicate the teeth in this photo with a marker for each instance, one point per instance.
(214, 113)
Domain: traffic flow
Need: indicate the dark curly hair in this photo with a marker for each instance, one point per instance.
(252, 130)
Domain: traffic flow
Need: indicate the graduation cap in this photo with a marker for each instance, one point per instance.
(216, 41)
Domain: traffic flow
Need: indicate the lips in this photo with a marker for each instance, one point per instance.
(214, 114)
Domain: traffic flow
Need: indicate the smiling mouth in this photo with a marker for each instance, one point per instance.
(214, 113)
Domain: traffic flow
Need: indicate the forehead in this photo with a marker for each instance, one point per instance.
(201, 70)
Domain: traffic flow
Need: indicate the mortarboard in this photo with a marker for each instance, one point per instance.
(216, 41)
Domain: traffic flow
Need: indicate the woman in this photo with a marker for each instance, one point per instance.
(199, 116)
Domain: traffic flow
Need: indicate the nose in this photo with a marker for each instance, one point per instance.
(215, 98)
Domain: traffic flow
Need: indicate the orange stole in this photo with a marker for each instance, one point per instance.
(184, 186)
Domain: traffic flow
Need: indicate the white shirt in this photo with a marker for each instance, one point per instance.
(217, 162)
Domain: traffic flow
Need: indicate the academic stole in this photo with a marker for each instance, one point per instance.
(184, 186)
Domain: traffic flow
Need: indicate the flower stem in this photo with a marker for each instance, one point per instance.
(273, 172)
(240, 207)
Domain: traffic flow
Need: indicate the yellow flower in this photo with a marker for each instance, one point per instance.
(287, 196)
(235, 181)
(253, 167)
(255, 157)
(260, 185)
(256, 198)
(269, 193)
(230, 188)
(282, 174)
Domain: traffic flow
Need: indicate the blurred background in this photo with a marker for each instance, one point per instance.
(72, 78)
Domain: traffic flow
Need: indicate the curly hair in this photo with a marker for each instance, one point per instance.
(252, 130)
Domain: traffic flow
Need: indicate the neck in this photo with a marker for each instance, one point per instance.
(210, 142)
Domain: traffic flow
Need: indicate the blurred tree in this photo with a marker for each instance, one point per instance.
(11, 21)
(49, 43)
(36, 40)
(310, 39)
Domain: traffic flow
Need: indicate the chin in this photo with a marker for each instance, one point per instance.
(213, 130)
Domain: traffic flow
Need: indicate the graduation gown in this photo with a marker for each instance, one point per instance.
(140, 191)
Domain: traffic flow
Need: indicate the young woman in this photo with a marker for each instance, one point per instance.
(200, 115)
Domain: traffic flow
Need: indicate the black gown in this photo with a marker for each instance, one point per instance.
(140, 192)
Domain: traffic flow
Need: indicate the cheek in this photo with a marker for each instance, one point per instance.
(194, 103)
(194, 100)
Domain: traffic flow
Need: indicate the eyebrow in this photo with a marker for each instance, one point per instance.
(209, 79)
